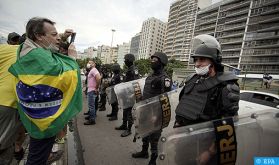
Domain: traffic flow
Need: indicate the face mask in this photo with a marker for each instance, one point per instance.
(156, 65)
(88, 65)
(128, 63)
(202, 70)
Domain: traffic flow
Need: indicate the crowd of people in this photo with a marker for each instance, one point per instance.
(43, 99)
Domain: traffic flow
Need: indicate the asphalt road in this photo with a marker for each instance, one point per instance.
(102, 144)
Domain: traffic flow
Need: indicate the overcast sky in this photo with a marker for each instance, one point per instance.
(91, 19)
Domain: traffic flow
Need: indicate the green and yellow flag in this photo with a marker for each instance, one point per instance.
(48, 89)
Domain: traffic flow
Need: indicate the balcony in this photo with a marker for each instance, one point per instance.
(264, 3)
(204, 22)
(231, 21)
(229, 35)
(236, 5)
(268, 28)
(235, 27)
(204, 28)
(207, 15)
(238, 41)
(262, 37)
(265, 11)
(264, 19)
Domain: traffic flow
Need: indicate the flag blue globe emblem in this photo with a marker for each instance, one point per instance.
(39, 101)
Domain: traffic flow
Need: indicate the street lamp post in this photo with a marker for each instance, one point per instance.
(112, 30)
(111, 50)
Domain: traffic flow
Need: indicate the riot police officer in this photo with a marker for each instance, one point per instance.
(131, 74)
(114, 80)
(210, 93)
(104, 85)
(155, 84)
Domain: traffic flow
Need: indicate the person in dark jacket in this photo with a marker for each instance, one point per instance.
(155, 84)
(116, 79)
(210, 93)
(131, 74)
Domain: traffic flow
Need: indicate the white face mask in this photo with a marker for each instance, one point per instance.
(202, 70)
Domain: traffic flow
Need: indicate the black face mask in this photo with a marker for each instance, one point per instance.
(156, 65)
(128, 63)
(116, 71)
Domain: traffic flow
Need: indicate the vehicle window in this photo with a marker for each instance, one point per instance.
(264, 100)
(245, 96)
(258, 96)
(272, 101)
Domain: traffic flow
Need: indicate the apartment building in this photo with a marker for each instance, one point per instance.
(104, 53)
(135, 41)
(90, 52)
(123, 49)
(248, 31)
(180, 28)
(152, 37)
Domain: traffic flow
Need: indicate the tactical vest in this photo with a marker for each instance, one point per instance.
(115, 79)
(130, 74)
(154, 85)
(201, 98)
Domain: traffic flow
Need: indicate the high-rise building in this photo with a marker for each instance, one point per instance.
(89, 52)
(122, 50)
(152, 37)
(104, 53)
(180, 28)
(248, 31)
(135, 42)
(113, 55)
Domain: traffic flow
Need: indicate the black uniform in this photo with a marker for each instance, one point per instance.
(131, 74)
(207, 99)
(116, 79)
(103, 95)
(155, 84)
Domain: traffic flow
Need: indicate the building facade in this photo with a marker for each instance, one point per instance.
(104, 53)
(135, 42)
(180, 28)
(248, 31)
(152, 37)
(122, 50)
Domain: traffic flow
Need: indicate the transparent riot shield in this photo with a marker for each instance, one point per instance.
(127, 93)
(155, 113)
(111, 95)
(256, 135)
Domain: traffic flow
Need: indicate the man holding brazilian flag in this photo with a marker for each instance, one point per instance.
(48, 87)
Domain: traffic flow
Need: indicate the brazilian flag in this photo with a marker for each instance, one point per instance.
(48, 89)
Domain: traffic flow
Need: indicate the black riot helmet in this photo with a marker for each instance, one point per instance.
(115, 68)
(129, 59)
(205, 45)
(162, 57)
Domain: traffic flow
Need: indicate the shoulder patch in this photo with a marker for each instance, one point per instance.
(167, 82)
(136, 71)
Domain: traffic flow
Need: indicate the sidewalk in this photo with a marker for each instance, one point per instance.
(102, 144)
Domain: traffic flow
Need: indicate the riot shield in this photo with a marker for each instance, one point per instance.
(127, 93)
(111, 95)
(155, 113)
(256, 135)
